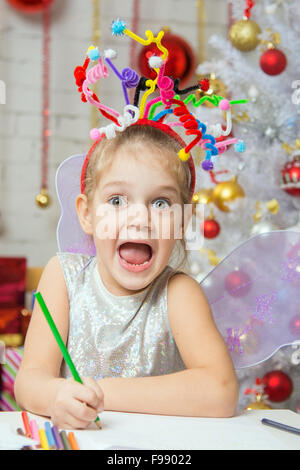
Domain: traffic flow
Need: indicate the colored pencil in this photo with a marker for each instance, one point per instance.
(43, 439)
(34, 430)
(61, 344)
(73, 441)
(50, 437)
(64, 438)
(59, 443)
(30, 446)
(26, 424)
(283, 427)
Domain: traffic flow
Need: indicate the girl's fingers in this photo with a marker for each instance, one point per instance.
(89, 382)
(85, 394)
(81, 411)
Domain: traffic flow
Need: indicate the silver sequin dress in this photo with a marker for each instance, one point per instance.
(107, 338)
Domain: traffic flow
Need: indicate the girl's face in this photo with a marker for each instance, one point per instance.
(135, 218)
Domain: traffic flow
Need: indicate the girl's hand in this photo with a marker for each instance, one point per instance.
(77, 405)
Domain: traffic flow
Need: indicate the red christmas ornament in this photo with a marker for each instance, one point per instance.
(291, 177)
(238, 283)
(210, 228)
(294, 325)
(277, 385)
(30, 6)
(181, 61)
(273, 62)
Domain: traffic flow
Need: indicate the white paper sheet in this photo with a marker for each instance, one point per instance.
(11, 440)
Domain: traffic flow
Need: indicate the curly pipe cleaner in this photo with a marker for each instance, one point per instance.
(190, 125)
(209, 144)
(222, 146)
(128, 76)
(185, 90)
(216, 129)
(130, 116)
(92, 76)
(165, 85)
(178, 92)
(119, 29)
(140, 87)
(193, 126)
(80, 77)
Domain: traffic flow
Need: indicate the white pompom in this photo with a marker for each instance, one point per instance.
(110, 54)
(155, 62)
(271, 9)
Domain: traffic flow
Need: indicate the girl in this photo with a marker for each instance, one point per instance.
(140, 332)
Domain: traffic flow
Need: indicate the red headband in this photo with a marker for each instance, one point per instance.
(158, 125)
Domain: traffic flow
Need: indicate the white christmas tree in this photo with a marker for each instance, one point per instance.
(269, 124)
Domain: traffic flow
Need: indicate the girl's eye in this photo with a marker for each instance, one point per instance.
(161, 203)
(118, 201)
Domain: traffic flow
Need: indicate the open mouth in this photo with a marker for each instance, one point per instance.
(135, 256)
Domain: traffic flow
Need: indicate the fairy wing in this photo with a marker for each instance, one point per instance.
(254, 294)
(70, 236)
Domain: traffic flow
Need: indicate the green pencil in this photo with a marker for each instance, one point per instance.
(61, 344)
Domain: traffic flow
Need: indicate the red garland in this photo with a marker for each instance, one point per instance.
(30, 6)
(249, 5)
(45, 111)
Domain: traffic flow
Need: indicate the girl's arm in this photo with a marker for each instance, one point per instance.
(37, 379)
(208, 387)
(38, 387)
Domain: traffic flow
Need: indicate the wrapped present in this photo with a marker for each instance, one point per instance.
(10, 365)
(12, 298)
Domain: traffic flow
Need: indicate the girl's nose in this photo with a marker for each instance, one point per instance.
(138, 216)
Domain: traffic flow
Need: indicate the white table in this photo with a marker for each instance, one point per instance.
(142, 431)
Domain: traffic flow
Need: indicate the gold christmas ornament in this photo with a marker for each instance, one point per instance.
(211, 256)
(43, 199)
(226, 192)
(258, 404)
(204, 196)
(244, 35)
(216, 87)
(271, 206)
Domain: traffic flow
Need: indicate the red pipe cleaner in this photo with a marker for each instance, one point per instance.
(189, 123)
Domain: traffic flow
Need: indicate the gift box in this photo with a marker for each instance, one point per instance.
(12, 298)
(9, 368)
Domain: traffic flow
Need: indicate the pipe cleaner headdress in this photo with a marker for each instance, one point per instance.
(152, 111)
(148, 113)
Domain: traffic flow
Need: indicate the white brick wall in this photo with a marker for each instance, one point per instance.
(28, 230)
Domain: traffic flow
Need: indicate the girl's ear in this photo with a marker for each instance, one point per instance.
(84, 214)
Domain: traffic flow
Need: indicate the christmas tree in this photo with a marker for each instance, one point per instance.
(256, 191)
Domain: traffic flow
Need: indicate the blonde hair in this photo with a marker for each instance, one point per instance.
(102, 158)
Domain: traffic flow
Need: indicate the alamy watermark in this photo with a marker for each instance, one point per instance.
(296, 94)
(2, 92)
(173, 222)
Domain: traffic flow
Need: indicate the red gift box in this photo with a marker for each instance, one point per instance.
(12, 299)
